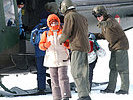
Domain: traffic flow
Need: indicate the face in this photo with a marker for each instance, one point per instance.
(54, 23)
(20, 6)
(100, 18)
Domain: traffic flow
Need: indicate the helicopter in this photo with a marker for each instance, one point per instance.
(17, 54)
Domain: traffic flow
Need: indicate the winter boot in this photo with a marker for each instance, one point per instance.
(41, 92)
(49, 82)
(84, 98)
(107, 91)
(65, 99)
(122, 92)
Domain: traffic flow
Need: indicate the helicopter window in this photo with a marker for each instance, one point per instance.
(9, 12)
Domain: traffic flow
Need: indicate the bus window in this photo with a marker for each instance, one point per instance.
(9, 12)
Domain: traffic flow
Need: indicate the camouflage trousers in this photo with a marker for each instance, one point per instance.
(80, 72)
(119, 64)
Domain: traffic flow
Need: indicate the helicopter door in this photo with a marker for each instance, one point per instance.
(10, 31)
(9, 12)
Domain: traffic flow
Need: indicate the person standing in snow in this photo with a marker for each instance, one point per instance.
(118, 45)
(54, 58)
(95, 52)
(92, 56)
(50, 8)
(75, 29)
(36, 34)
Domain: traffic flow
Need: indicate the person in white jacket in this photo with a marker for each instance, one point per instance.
(56, 58)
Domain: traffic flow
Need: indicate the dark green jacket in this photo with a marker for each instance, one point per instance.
(114, 34)
(76, 30)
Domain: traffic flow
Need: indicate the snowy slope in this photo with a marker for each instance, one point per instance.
(101, 73)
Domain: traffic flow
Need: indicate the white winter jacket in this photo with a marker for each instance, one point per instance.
(56, 53)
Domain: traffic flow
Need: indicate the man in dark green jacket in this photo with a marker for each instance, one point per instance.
(75, 29)
(118, 45)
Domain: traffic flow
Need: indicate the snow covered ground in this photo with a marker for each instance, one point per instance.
(101, 73)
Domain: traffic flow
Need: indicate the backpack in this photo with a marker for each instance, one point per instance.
(37, 32)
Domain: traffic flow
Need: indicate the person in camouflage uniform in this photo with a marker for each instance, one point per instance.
(75, 29)
(118, 45)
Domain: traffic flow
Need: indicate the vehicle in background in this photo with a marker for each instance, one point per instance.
(17, 54)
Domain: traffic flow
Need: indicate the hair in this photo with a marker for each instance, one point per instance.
(20, 2)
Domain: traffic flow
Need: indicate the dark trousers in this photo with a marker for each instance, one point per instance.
(91, 68)
(41, 73)
(119, 64)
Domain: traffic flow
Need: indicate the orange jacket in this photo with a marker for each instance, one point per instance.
(44, 44)
(56, 53)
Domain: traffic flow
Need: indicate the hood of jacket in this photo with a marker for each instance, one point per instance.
(53, 18)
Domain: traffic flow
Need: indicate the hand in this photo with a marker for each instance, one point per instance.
(50, 39)
(61, 39)
(102, 24)
(48, 44)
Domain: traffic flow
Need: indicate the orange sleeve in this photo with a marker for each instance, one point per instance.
(43, 44)
(66, 44)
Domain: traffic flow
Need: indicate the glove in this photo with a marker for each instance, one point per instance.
(47, 45)
(102, 24)
(50, 39)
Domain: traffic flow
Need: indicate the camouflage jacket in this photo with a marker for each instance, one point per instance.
(114, 34)
(76, 31)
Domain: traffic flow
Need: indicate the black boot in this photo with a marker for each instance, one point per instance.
(84, 98)
(122, 92)
(41, 92)
(65, 99)
(107, 91)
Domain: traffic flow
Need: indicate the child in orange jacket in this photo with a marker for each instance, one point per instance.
(54, 58)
